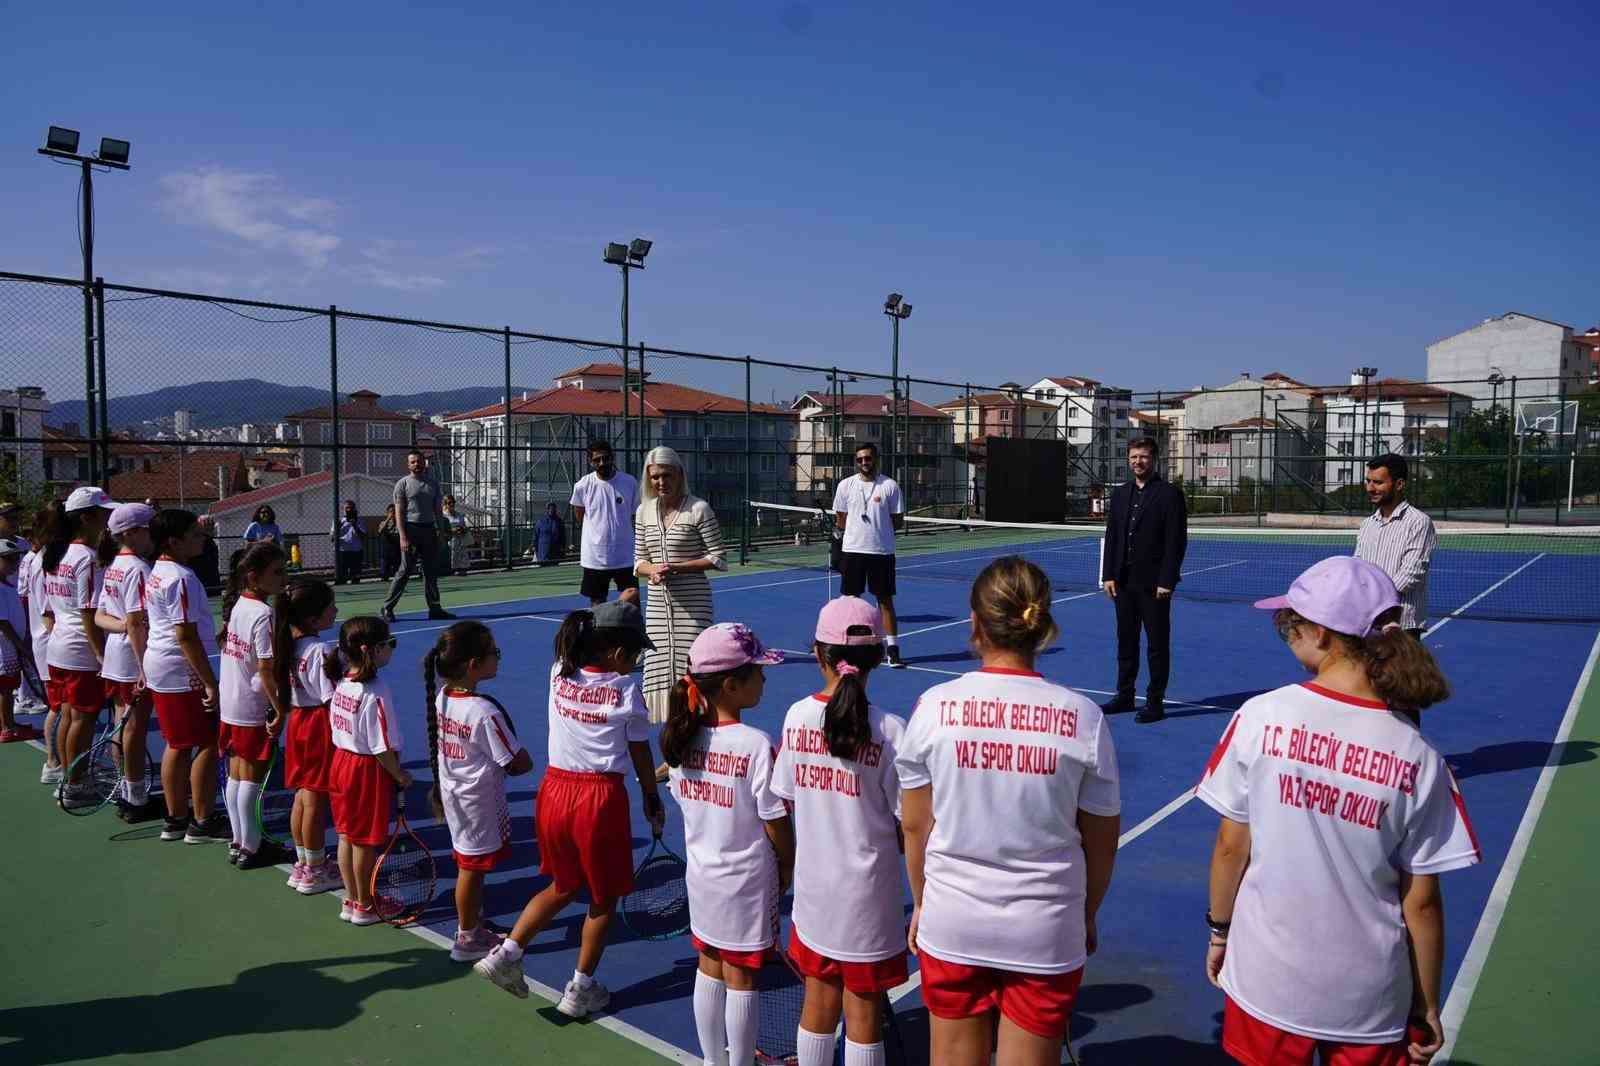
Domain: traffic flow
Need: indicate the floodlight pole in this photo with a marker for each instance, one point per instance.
(897, 310)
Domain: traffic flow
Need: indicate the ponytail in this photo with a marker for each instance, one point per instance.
(1402, 672)
(298, 606)
(689, 708)
(845, 721)
(358, 640)
(429, 676)
(246, 563)
(56, 531)
(572, 639)
(106, 549)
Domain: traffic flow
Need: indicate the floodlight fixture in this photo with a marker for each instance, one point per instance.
(638, 248)
(61, 139)
(905, 310)
(893, 301)
(616, 254)
(114, 151)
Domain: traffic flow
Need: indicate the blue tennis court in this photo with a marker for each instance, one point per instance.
(1144, 997)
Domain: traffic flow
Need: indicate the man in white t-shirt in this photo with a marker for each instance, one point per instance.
(867, 509)
(604, 502)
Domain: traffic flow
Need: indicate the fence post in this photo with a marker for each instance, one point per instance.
(1449, 429)
(1276, 461)
(744, 516)
(333, 389)
(1514, 437)
(506, 509)
(100, 361)
(627, 410)
(644, 418)
(1261, 447)
(1561, 422)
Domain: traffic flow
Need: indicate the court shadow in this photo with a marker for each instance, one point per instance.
(301, 995)
(1163, 1049)
(1518, 755)
(675, 984)
(919, 618)
(1226, 703)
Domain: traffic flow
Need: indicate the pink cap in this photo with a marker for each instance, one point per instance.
(131, 516)
(1344, 593)
(728, 646)
(839, 616)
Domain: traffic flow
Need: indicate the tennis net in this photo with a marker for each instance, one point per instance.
(1517, 574)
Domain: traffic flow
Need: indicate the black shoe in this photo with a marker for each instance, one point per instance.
(1119, 705)
(1153, 711)
(151, 808)
(386, 613)
(173, 829)
(439, 614)
(210, 831)
(895, 662)
(268, 854)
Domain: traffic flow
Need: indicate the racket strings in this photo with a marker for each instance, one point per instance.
(658, 906)
(403, 883)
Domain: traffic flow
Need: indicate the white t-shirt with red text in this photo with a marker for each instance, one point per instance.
(476, 744)
(309, 683)
(30, 586)
(122, 594)
(363, 717)
(594, 716)
(1342, 797)
(173, 596)
(69, 591)
(724, 789)
(1012, 759)
(245, 643)
(849, 877)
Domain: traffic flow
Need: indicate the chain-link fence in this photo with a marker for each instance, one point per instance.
(298, 417)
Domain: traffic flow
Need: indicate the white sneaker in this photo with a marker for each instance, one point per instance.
(474, 944)
(50, 775)
(323, 877)
(360, 915)
(346, 905)
(580, 1002)
(503, 971)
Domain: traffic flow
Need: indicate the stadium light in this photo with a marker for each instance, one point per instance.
(616, 254)
(628, 258)
(61, 145)
(898, 310)
(638, 248)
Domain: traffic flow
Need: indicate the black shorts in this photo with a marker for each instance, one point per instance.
(872, 572)
(597, 583)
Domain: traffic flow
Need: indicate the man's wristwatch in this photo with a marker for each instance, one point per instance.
(1218, 928)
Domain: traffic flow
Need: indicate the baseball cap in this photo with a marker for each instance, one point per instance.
(87, 497)
(10, 547)
(728, 646)
(620, 614)
(131, 516)
(838, 616)
(1344, 593)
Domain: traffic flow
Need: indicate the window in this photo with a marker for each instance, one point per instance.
(1345, 447)
(1344, 475)
(382, 461)
(1385, 418)
(1347, 421)
(380, 431)
(8, 423)
(873, 429)
(83, 468)
(324, 433)
(769, 463)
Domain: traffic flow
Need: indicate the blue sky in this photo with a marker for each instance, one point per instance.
(1156, 195)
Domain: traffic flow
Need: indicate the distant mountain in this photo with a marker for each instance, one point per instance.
(230, 403)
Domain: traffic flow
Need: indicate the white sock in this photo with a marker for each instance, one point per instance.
(862, 1054)
(581, 979)
(246, 799)
(710, 1001)
(230, 795)
(743, 1018)
(892, 641)
(138, 792)
(510, 949)
(815, 1049)
(302, 855)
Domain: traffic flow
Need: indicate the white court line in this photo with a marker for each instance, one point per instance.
(1467, 977)
(1447, 619)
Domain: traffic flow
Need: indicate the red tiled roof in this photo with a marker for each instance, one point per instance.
(1278, 375)
(866, 404)
(594, 370)
(1394, 389)
(191, 480)
(57, 444)
(1149, 420)
(256, 497)
(364, 408)
(659, 399)
(991, 399)
(1075, 383)
(1252, 422)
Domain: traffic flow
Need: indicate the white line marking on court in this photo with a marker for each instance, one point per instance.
(1467, 977)
(1447, 619)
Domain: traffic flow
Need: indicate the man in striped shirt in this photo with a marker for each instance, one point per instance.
(1398, 538)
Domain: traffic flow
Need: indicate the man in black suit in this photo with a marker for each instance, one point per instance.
(1147, 532)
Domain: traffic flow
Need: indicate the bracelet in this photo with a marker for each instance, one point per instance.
(1220, 928)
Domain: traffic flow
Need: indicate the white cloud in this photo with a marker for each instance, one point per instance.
(384, 278)
(256, 208)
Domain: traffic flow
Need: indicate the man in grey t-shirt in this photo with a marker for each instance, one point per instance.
(417, 509)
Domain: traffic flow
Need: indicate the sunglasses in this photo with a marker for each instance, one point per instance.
(390, 643)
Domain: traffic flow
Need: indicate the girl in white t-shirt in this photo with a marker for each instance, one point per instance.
(598, 729)
(737, 833)
(366, 760)
(303, 610)
(472, 747)
(1333, 805)
(1009, 796)
(76, 647)
(252, 705)
(121, 615)
(30, 586)
(836, 768)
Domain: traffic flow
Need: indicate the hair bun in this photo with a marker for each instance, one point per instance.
(1030, 615)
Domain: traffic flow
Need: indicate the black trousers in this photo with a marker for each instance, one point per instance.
(1138, 608)
(425, 549)
(347, 566)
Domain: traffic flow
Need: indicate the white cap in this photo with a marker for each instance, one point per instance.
(88, 497)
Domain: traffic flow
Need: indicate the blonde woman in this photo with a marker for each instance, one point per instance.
(676, 541)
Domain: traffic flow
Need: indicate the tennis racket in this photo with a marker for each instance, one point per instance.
(783, 995)
(29, 669)
(97, 771)
(658, 906)
(274, 804)
(405, 877)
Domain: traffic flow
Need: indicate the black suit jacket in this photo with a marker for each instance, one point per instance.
(1154, 555)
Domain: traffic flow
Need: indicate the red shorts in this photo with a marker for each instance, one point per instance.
(862, 978)
(10, 682)
(246, 741)
(121, 693)
(483, 863)
(1041, 1003)
(745, 960)
(1258, 1043)
(362, 798)
(184, 720)
(308, 750)
(82, 690)
(585, 839)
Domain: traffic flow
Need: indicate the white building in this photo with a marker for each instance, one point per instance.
(1545, 357)
(1096, 420)
(304, 508)
(22, 412)
(1387, 415)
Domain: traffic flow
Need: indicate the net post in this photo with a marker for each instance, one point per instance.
(333, 396)
(505, 460)
(744, 512)
(1512, 439)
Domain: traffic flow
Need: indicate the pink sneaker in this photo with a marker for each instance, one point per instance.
(323, 877)
(296, 875)
(347, 906)
(474, 945)
(360, 915)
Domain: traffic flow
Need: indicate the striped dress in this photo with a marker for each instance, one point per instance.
(694, 534)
